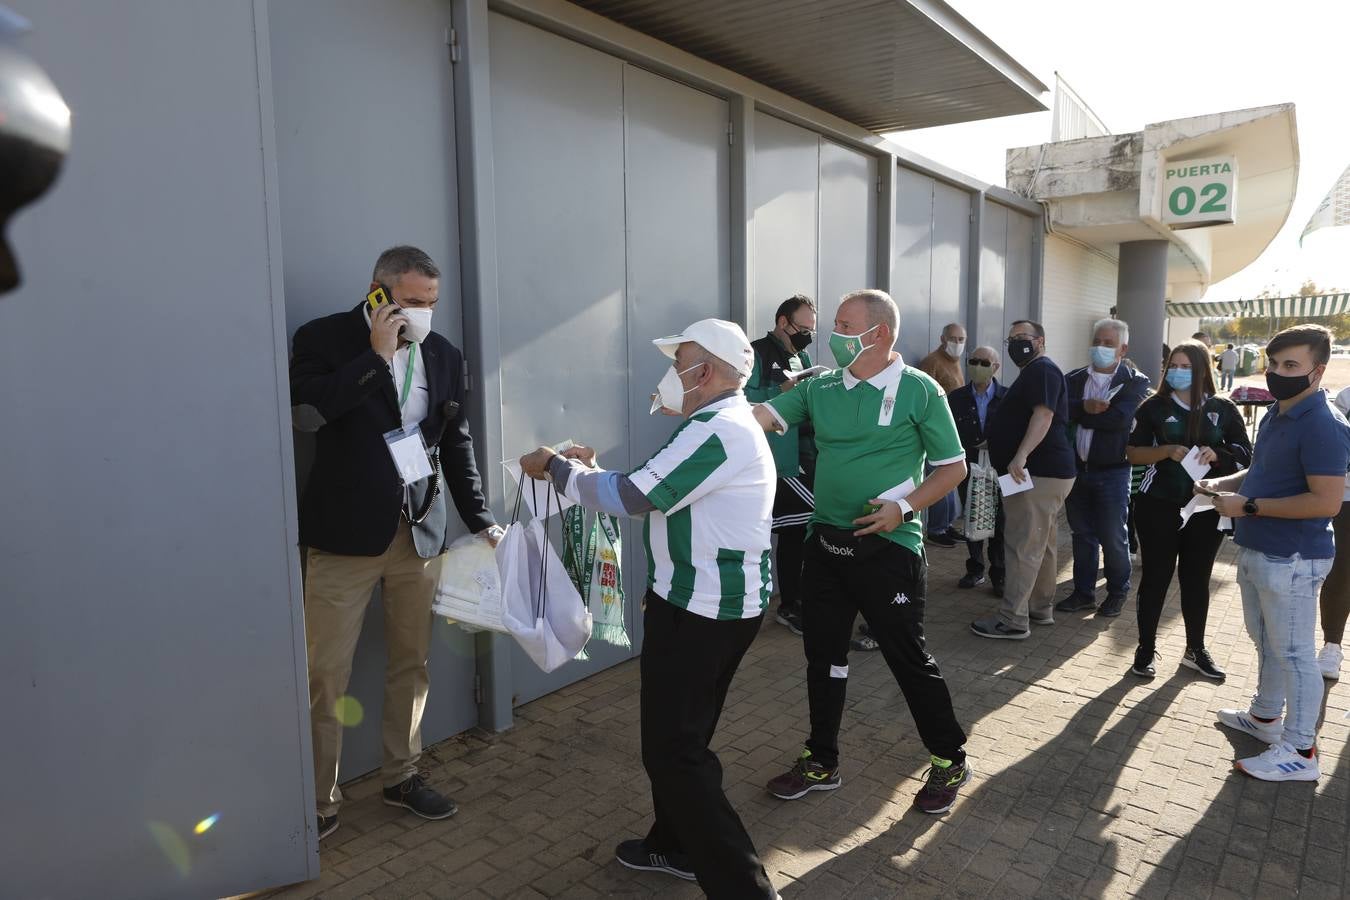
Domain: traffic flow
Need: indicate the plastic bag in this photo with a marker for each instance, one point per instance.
(469, 591)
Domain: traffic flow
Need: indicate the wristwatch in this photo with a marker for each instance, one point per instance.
(1249, 508)
(906, 511)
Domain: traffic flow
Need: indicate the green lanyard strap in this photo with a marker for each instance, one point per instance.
(408, 375)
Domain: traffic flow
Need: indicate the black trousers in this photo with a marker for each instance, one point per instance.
(688, 662)
(793, 502)
(887, 584)
(975, 549)
(1166, 547)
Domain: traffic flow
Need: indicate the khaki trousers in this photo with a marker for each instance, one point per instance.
(337, 591)
(1031, 533)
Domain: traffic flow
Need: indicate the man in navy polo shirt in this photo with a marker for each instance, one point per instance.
(1281, 510)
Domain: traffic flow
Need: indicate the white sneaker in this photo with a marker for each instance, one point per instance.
(1281, 763)
(1241, 720)
(1329, 661)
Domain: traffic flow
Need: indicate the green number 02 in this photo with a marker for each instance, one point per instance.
(1214, 194)
(1182, 201)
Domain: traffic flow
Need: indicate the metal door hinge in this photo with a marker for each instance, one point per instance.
(731, 133)
(468, 379)
(477, 688)
(879, 179)
(452, 41)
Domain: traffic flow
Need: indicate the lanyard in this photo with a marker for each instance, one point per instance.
(408, 375)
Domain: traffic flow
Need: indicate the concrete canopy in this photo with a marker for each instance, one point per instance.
(1104, 191)
(886, 65)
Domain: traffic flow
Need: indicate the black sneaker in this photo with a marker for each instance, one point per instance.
(941, 540)
(1202, 662)
(1143, 663)
(994, 628)
(636, 855)
(1076, 602)
(327, 825)
(970, 580)
(806, 775)
(1111, 607)
(997, 582)
(790, 618)
(414, 794)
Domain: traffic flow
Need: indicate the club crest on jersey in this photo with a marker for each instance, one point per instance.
(887, 405)
(1213, 418)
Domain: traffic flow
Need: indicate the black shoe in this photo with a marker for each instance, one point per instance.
(1111, 607)
(941, 540)
(327, 825)
(997, 585)
(790, 618)
(414, 794)
(864, 642)
(970, 580)
(635, 855)
(994, 628)
(1143, 663)
(1202, 662)
(1076, 602)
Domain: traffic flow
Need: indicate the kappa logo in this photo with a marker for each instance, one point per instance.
(837, 551)
(900, 598)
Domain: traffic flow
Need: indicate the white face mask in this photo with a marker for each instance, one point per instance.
(670, 391)
(419, 324)
(955, 349)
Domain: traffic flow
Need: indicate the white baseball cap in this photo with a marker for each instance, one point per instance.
(724, 340)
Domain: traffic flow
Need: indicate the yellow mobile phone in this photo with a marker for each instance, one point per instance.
(377, 298)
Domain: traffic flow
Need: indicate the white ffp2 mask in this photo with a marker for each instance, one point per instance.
(419, 324)
(670, 391)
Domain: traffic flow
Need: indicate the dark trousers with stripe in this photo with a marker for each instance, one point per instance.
(793, 503)
(887, 583)
(688, 662)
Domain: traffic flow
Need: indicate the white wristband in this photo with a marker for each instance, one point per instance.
(906, 511)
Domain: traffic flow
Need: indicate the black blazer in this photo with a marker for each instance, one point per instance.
(343, 388)
(967, 415)
(1110, 429)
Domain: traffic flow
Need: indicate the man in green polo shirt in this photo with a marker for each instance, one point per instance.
(876, 421)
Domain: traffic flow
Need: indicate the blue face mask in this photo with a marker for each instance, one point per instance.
(1103, 357)
(1179, 379)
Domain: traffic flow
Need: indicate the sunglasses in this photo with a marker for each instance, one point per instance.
(978, 362)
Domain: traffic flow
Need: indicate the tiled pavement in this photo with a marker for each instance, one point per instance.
(1089, 782)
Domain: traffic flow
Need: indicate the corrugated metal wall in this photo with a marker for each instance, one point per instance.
(1080, 288)
(1006, 274)
(930, 259)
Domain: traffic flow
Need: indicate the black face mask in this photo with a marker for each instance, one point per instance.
(1283, 387)
(800, 340)
(1021, 351)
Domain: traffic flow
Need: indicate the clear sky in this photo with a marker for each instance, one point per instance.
(1152, 60)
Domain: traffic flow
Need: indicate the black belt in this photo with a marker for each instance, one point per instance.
(1099, 467)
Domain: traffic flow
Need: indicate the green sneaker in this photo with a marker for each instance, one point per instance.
(806, 775)
(941, 784)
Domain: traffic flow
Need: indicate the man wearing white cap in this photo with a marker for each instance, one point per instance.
(708, 498)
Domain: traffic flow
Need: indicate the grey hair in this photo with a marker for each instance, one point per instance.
(724, 371)
(993, 351)
(881, 309)
(1121, 328)
(399, 261)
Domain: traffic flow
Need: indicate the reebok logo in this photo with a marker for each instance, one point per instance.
(900, 598)
(837, 551)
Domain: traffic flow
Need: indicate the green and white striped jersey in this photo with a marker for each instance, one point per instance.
(712, 485)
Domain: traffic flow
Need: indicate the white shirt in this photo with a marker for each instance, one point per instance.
(708, 538)
(1228, 361)
(419, 401)
(1097, 387)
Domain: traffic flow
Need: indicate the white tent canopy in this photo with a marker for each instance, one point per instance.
(1292, 307)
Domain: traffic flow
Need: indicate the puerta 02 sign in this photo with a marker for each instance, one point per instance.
(1200, 192)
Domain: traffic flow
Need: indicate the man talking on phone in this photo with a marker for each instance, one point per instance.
(384, 395)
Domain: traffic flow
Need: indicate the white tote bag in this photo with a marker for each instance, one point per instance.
(470, 588)
(981, 499)
(541, 607)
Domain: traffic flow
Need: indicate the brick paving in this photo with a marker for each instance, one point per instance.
(1089, 782)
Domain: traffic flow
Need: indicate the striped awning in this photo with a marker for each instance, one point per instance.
(1291, 307)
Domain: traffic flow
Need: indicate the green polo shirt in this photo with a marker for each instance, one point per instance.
(860, 454)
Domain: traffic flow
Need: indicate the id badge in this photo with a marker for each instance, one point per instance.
(409, 453)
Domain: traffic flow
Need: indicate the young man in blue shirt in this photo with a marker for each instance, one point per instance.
(1281, 510)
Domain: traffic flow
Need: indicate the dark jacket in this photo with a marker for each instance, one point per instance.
(354, 500)
(1110, 429)
(967, 415)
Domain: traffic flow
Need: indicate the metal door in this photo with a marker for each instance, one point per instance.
(365, 141)
(912, 262)
(848, 231)
(951, 259)
(787, 209)
(993, 275)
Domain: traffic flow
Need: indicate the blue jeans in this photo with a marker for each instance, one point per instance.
(1097, 509)
(941, 514)
(1226, 381)
(1279, 604)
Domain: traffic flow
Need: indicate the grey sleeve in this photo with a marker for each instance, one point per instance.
(608, 492)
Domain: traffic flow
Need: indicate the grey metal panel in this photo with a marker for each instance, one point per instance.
(149, 667)
(560, 221)
(912, 261)
(993, 271)
(883, 64)
(848, 227)
(951, 256)
(786, 192)
(350, 187)
(1020, 261)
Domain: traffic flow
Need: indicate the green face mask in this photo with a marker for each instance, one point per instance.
(848, 347)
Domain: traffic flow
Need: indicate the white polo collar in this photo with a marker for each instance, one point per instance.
(882, 380)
